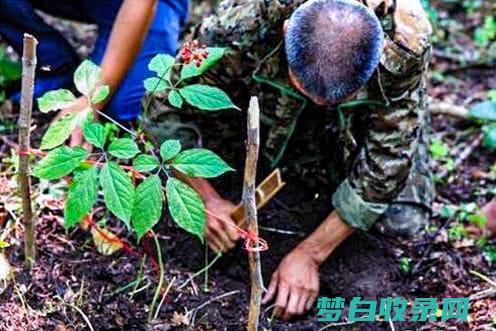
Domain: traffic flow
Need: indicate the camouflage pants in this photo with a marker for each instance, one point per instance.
(407, 215)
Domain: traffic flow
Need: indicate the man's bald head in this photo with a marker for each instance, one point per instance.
(333, 47)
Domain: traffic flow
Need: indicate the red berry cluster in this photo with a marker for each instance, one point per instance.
(193, 52)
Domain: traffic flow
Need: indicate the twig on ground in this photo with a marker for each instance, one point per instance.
(333, 325)
(205, 269)
(163, 297)
(483, 277)
(450, 109)
(160, 280)
(250, 211)
(192, 313)
(28, 72)
(464, 155)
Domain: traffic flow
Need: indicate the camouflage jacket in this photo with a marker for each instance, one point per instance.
(392, 105)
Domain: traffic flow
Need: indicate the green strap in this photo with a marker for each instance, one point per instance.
(291, 92)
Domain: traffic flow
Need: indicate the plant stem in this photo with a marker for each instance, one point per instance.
(28, 72)
(160, 281)
(250, 211)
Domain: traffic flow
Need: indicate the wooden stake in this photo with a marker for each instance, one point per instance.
(250, 211)
(28, 73)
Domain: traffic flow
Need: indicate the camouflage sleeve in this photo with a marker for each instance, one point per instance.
(383, 164)
(242, 23)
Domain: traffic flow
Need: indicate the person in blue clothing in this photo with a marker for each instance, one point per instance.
(130, 34)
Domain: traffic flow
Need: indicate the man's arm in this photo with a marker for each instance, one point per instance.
(128, 33)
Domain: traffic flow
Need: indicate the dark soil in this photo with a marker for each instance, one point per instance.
(71, 273)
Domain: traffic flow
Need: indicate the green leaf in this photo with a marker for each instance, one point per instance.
(59, 131)
(485, 111)
(9, 70)
(101, 93)
(175, 99)
(448, 211)
(148, 205)
(489, 136)
(60, 162)
(199, 162)
(86, 77)
(145, 163)
(169, 149)
(94, 133)
(478, 219)
(491, 95)
(118, 191)
(123, 148)
(81, 197)
(55, 100)
(206, 97)
(162, 65)
(186, 207)
(215, 54)
(438, 149)
(155, 84)
(4, 244)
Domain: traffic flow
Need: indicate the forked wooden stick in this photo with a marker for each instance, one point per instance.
(28, 73)
(250, 211)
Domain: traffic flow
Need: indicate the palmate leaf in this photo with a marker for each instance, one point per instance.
(215, 54)
(148, 204)
(199, 162)
(186, 207)
(81, 197)
(60, 162)
(145, 163)
(86, 77)
(55, 100)
(123, 148)
(206, 97)
(169, 149)
(118, 191)
(59, 131)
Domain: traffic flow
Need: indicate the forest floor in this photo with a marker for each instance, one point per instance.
(73, 285)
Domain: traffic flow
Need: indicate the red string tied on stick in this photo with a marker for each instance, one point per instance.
(253, 243)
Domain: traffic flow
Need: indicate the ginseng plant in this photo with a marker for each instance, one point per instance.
(132, 176)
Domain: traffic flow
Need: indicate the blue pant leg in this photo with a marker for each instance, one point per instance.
(162, 38)
(18, 17)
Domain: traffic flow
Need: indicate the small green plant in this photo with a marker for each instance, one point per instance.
(485, 113)
(485, 34)
(462, 214)
(126, 168)
(440, 151)
(9, 71)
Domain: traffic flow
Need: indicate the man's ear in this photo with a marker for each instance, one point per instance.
(285, 26)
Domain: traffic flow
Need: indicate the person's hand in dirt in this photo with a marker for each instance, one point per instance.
(220, 231)
(295, 283)
(220, 235)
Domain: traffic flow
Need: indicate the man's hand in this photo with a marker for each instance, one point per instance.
(77, 135)
(296, 283)
(220, 236)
